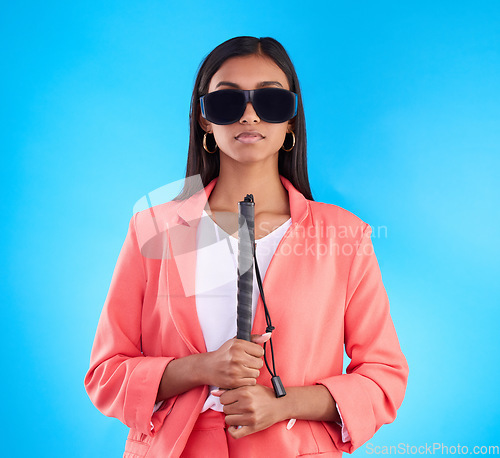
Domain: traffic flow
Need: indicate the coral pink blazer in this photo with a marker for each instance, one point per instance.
(324, 290)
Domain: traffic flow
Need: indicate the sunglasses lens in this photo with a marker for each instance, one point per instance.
(225, 106)
(271, 105)
(274, 105)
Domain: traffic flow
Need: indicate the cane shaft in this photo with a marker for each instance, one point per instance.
(246, 241)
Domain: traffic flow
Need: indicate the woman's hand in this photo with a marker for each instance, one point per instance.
(250, 409)
(236, 363)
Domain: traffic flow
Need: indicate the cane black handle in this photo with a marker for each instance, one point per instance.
(246, 246)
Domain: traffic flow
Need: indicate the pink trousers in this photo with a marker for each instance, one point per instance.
(209, 437)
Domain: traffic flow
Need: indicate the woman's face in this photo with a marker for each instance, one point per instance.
(249, 139)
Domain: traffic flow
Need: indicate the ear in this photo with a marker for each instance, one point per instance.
(291, 125)
(205, 125)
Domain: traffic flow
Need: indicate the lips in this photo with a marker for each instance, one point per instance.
(249, 137)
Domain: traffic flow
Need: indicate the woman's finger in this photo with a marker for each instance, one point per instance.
(260, 339)
(236, 420)
(239, 431)
(217, 393)
(250, 366)
(253, 349)
(232, 409)
(250, 372)
(230, 396)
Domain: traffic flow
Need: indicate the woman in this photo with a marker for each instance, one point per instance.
(165, 360)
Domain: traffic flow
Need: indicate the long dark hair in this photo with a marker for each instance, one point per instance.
(292, 165)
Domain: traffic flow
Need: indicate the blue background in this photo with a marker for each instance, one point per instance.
(402, 106)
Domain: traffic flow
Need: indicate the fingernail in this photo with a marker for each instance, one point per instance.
(290, 424)
(262, 338)
(265, 337)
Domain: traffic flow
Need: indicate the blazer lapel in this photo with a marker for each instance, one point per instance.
(181, 269)
(299, 211)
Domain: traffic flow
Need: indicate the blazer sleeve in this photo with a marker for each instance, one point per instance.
(373, 387)
(121, 382)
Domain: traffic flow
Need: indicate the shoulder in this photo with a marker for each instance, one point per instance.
(165, 213)
(150, 224)
(333, 214)
(332, 221)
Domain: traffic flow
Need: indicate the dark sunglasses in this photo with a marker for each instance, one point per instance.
(228, 105)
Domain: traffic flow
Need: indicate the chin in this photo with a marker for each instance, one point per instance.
(249, 155)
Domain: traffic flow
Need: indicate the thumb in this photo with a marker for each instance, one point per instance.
(217, 393)
(260, 339)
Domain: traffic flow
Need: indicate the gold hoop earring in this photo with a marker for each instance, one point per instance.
(205, 144)
(293, 143)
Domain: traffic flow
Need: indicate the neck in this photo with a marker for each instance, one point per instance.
(237, 180)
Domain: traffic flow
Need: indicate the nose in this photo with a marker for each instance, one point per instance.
(250, 115)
